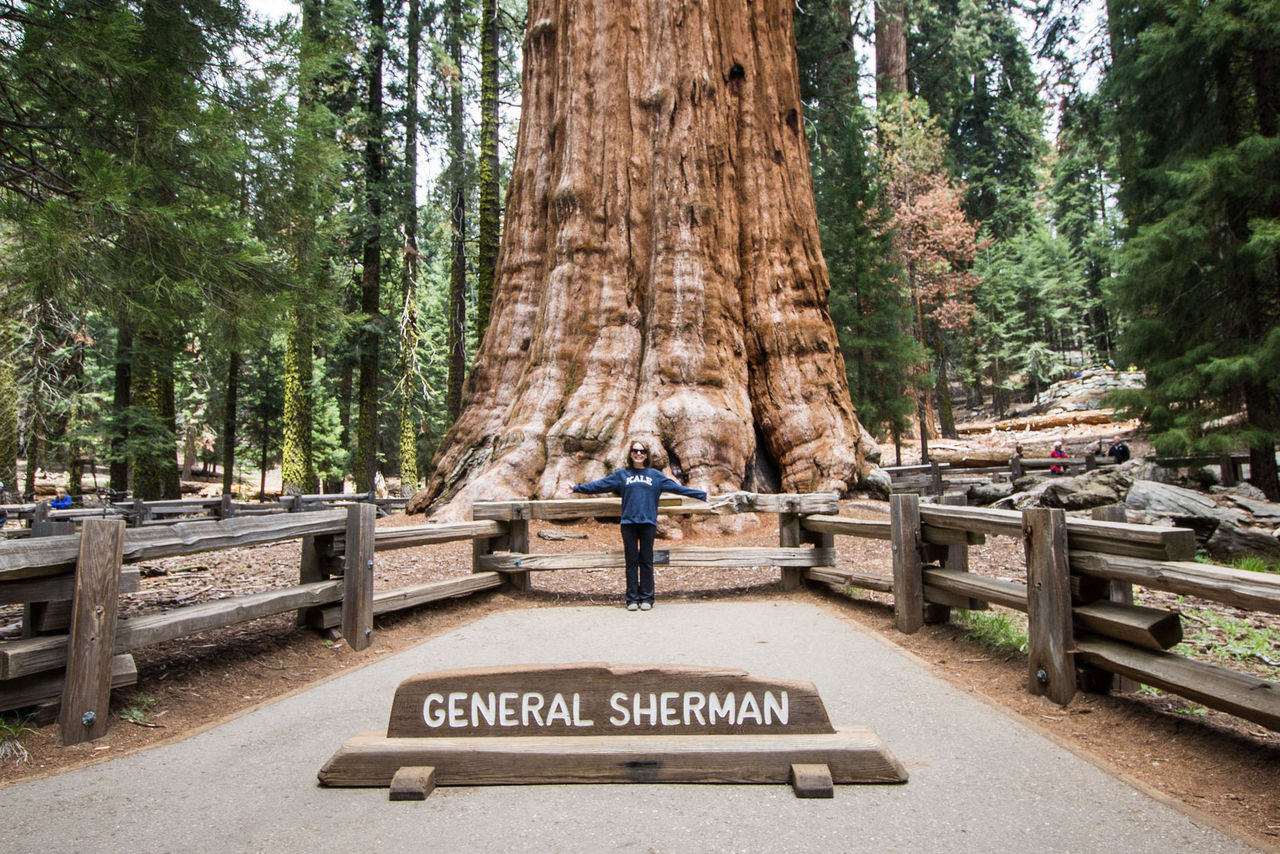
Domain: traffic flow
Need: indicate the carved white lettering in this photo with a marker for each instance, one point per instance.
(650, 711)
(669, 717)
(776, 710)
(430, 718)
(506, 711)
(694, 703)
(722, 709)
(617, 703)
(457, 714)
(558, 709)
(577, 712)
(480, 708)
(531, 707)
(749, 708)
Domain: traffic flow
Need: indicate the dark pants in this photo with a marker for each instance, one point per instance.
(637, 544)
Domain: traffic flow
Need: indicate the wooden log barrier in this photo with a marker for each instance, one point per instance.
(357, 577)
(1051, 670)
(602, 723)
(1216, 687)
(908, 582)
(86, 697)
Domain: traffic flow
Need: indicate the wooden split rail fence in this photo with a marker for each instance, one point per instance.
(44, 519)
(1083, 627)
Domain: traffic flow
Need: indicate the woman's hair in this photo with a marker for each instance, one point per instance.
(644, 445)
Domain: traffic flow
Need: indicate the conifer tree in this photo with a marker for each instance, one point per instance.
(1197, 97)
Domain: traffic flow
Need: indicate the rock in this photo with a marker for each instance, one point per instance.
(1230, 542)
(1083, 493)
(988, 493)
(1164, 499)
(1265, 512)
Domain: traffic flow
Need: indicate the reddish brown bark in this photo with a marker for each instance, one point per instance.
(660, 275)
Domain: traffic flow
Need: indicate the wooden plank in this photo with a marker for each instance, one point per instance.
(357, 577)
(317, 562)
(48, 686)
(812, 781)
(33, 655)
(908, 583)
(872, 529)
(1149, 628)
(854, 755)
(1255, 591)
(842, 578)
(1148, 541)
(1010, 594)
(412, 783)
(424, 535)
(59, 587)
(580, 508)
(677, 556)
(983, 520)
(1050, 669)
(402, 598)
(517, 542)
(1216, 687)
(86, 696)
(40, 557)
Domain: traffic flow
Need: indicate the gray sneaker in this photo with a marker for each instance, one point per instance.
(646, 606)
(632, 606)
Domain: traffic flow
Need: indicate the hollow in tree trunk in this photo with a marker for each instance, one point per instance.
(660, 275)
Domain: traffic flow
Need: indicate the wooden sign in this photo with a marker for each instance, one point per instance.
(606, 723)
(600, 699)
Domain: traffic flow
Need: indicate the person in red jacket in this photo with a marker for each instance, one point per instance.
(1058, 454)
(640, 487)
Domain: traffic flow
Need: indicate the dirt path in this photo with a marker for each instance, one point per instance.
(1225, 770)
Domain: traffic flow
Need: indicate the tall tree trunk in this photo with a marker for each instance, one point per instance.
(490, 204)
(229, 421)
(660, 275)
(371, 280)
(407, 362)
(119, 472)
(155, 451)
(891, 48)
(8, 427)
(297, 468)
(457, 339)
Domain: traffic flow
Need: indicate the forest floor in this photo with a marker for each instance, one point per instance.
(1223, 770)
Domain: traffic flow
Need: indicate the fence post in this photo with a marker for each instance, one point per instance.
(935, 472)
(318, 562)
(790, 536)
(86, 693)
(1118, 591)
(517, 540)
(42, 618)
(1015, 466)
(954, 557)
(1050, 664)
(908, 578)
(1228, 469)
(357, 577)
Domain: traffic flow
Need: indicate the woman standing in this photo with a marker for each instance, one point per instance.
(640, 487)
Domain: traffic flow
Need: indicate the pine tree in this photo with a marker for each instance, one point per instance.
(1199, 158)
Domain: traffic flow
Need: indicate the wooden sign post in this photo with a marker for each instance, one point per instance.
(608, 723)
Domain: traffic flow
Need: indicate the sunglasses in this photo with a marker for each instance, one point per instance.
(639, 451)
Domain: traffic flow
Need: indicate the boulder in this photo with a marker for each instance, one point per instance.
(1175, 502)
(1085, 492)
(987, 492)
(1230, 542)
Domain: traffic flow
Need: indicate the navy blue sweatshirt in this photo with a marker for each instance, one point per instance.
(639, 489)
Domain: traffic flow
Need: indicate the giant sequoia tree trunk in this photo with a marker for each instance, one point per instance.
(660, 275)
